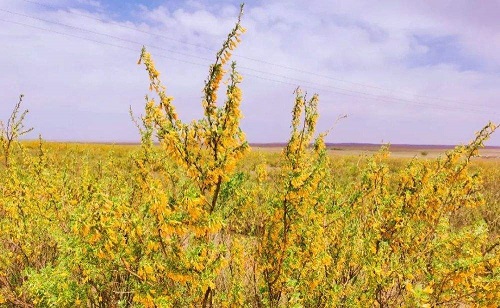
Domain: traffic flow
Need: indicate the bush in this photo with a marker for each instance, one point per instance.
(188, 224)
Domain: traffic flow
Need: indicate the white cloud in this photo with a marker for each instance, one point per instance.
(79, 89)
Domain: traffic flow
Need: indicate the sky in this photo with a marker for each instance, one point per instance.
(404, 72)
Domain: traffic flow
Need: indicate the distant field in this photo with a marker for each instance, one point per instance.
(397, 150)
(341, 149)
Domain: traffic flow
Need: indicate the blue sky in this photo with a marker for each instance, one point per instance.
(124, 10)
(422, 72)
(444, 50)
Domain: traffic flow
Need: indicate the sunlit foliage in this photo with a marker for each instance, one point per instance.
(200, 220)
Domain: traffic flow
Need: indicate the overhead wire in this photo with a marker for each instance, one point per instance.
(101, 34)
(326, 88)
(91, 40)
(254, 59)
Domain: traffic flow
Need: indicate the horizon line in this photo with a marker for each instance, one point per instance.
(278, 144)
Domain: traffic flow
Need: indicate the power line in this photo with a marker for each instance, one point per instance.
(102, 34)
(384, 99)
(173, 51)
(365, 95)
(120, 25)
(255, 60)
(381, 99)
(94, 41)
(378, 97)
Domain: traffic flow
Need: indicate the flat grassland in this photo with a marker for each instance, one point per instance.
(397, 150)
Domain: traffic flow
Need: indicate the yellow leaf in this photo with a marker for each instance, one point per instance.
(428, 290)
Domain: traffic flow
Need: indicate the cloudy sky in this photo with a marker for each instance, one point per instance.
(420, 72)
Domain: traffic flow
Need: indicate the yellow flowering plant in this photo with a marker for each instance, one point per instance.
(199, 220)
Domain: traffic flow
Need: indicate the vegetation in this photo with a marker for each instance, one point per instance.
(201, 220)
(12, 130)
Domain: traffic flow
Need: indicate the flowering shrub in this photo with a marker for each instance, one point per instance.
(201, 221)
